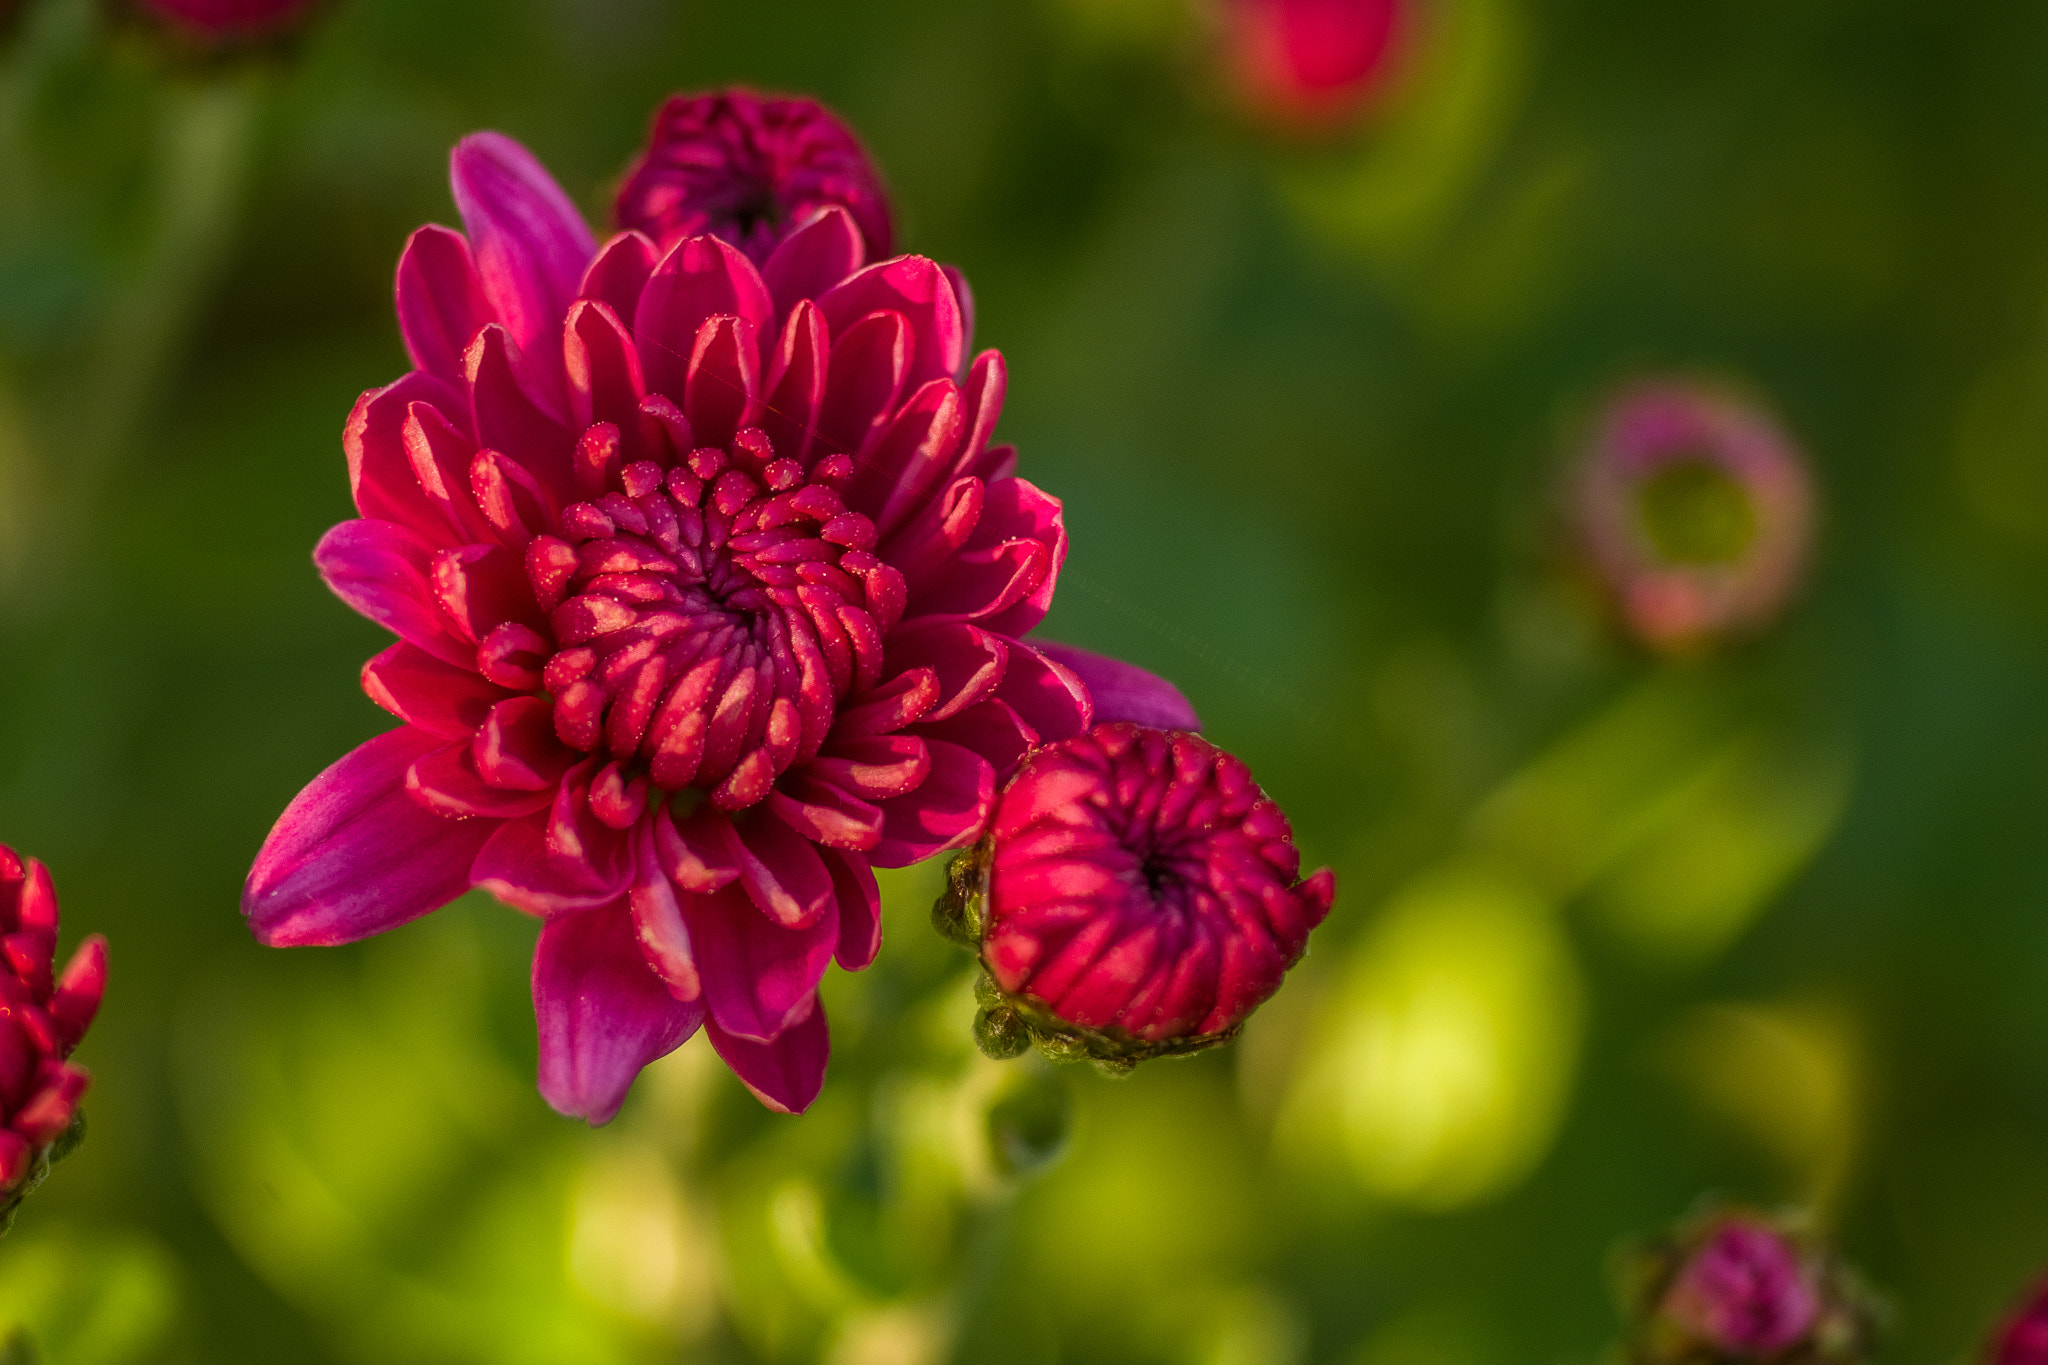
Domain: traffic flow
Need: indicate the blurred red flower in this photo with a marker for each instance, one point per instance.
(42, 1017)
(1313, 63)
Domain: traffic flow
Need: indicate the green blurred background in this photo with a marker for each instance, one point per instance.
(1611, 934)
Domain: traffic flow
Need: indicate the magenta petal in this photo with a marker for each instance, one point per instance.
(947, 810)
(440, 698)
(525, 866)
(353, 855)
(992, 729)
(380, 469)
(787, 1074)
(860, 908)
(441, 302)
(385, 572)
(818, 255)
(601, 1014)
(1124, 691)
(920, 291)
(782, 872)
(967, 661)
(1046, 693)
(620, 272)
(758, 976)
(531, 244)
(700, 279)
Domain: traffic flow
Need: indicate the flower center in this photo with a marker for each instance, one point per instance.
(709, 617)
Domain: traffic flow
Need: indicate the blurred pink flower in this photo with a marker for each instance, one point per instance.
(709, 587)
(227, 21)
(750, 169)
(2023, 1339)
(1313, 63)
(1680, 599)
(1143, 893)
(1746, 1292)
(41, 1018)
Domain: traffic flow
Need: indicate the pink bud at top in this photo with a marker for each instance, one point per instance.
(1746, 1292)
(2023, 1340)
(42, 1017)
(218, 22)
(1143, 891)
(1697, 509)
(1313, 63)
(750, 169)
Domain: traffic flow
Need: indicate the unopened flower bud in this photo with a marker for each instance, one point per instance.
(2023, 1338)
(42, 1017)
(751, 169)
(1696, 508)
(1137, 896)
(1735, 1288)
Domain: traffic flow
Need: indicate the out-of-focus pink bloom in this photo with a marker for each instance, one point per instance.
(750, 169)
(1746, 1291)
(1143, 895)
(709, 586)
(42, 1017)
(1665, 429)
(2023, 1339)
(216, 22)
(1313, 63)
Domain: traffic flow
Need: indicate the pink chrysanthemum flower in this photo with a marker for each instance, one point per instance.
(1313, 63)
(1137, 896)
(1739, 1288)
(42, 1017)
(216, 22)
(2023, 1339)
(750, 169)
(709, 587)
(1746, 1291)
(1696, 508)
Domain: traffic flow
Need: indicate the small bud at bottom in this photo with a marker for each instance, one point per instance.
(1001, 1033)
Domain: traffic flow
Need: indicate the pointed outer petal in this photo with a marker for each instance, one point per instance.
(380, 473)
(993, 465)
(948, 809)
(1018, 511)
(965, 298)
(824, 812)
(913, 458)
(787, 1074)
(440, 455)
(796, 385)
(758, 976)
(1045, 693)
(481, 587)
(923, 549)
(782, 872)
(889, 707)
(920, 291)
(421, 690)
(78, 993)
(602, 1014)
(605, 382)
(860, 908)
(863, 382)
(446, 782)
(967, 661)
(700, 853)
(441, 301)
(1122, 691)
(385, 572)
(658, 920)
(353, 855)
(559, 859)
(620, 272)
(49, 1111)
(531, 244)
(509, 417)
(699, 279)
(986, 385)
(992, 729)
(818, 255)
(723, 391)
